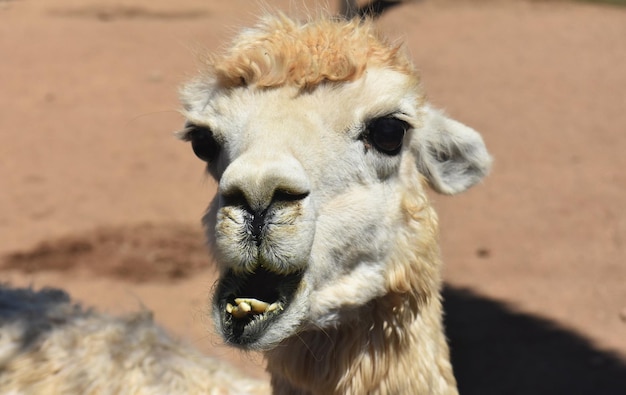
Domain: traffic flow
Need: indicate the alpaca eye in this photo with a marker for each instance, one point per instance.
(386, 134)
(203, 143)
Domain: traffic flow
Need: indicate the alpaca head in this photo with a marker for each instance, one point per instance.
(322, 144)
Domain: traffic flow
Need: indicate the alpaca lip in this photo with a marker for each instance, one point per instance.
(248, 304)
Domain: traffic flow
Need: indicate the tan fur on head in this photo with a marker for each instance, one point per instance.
(280, 51)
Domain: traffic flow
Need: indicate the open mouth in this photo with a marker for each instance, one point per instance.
(248, 303)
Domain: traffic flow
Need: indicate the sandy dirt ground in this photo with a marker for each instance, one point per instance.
(97, 197)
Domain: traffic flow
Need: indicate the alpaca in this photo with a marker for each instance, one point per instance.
(322, 144)
(49, 345)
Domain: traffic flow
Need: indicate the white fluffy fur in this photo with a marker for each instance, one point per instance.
(289, 106)
(49, 345)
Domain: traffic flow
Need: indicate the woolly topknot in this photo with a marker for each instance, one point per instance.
(280, 51)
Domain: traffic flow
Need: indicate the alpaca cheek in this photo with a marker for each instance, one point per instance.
(287, 247)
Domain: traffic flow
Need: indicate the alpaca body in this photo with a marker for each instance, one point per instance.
(49, 345)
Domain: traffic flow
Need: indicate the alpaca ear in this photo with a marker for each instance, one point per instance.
(452, 156)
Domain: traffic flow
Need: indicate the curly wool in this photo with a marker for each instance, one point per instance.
(280, 51)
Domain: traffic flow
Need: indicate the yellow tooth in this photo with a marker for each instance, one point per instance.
(238, 312)
(229, 308)
(244, 306)
(272, 307)
(258, 306)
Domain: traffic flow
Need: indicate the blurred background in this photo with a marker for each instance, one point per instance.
(99, 198)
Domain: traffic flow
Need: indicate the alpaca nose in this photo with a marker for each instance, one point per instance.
(256, 183)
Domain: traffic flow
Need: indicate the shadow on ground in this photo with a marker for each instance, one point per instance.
(498, 351)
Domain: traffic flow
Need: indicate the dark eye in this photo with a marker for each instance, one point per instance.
(203, 143)
(386, 134)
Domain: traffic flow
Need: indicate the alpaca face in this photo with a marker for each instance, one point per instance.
(314, 186)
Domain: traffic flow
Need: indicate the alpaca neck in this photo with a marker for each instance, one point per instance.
(396, 346)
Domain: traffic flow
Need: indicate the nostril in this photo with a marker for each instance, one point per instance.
(236, 198)
(285, 195)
